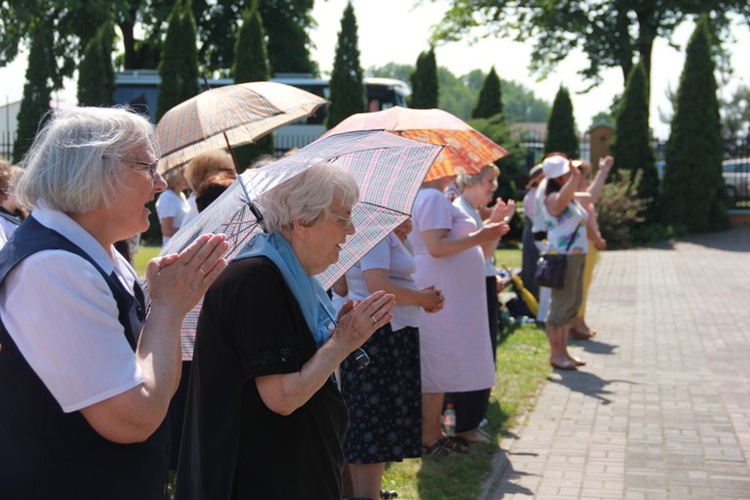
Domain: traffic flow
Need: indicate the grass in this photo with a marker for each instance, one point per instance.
(522, 367)
(142, 256)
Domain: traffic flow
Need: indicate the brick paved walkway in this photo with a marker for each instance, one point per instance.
(663, 408)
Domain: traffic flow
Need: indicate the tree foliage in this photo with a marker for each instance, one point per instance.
(693, 193)
(458, 94)
(347, 89)
(96, 74)
(735, 113)
(620, 212)
(612, 33)
(561, 127)
(424, 81)
(632, 145)
(37, 91)
(251, 65)
(490, 101)
(251, 55)
(74, 23)
(179, 63)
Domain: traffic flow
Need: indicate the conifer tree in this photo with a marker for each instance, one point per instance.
(251, 65)
(424, 82)
(693, 193)
(561, 127)
(37, 91)
(347, 89)
(96, 74)
(632, 145)
(178, 68)
(490, 100)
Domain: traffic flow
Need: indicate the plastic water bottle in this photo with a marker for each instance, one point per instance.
(449, 420)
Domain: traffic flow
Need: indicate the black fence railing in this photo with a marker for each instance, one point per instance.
(6, 149)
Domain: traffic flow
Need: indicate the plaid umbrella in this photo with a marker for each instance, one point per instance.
(235, 114)
(389, 171)
(469, 150)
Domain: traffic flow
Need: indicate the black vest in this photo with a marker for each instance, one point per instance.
(45, 453)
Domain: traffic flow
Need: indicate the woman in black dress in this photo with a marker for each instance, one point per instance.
(264, 417)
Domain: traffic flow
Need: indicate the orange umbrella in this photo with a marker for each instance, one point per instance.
(468, 150)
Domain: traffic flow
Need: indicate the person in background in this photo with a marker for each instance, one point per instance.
(88, 362)
(264, 417)
(476, 193)
(12, 213)
(384, 398)
(530, 252)
(565, 221)
(588, 195)
(455, 348)
(172, 206)
(200, 169)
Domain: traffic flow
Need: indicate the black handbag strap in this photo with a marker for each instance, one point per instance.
(572, 238)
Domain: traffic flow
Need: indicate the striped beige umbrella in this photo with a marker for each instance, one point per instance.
(236, 114)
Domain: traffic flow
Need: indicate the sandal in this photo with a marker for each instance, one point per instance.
(436, 449)
(386, 494)
(455, 444)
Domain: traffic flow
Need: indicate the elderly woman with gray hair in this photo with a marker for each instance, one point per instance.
(476, 194)
(264, 416)
(88, 363)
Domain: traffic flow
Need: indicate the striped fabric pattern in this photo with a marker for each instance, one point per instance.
(244, 112)
(389, 171)
(467, 151)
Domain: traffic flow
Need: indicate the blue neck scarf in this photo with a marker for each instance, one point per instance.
(312, 298)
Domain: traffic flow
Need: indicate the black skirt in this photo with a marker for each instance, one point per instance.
(384, 399)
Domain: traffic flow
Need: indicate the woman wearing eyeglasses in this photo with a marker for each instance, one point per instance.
(264, 417)
(88, 362)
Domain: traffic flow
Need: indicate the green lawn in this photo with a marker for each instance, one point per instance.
(142, 256)
(522, 367)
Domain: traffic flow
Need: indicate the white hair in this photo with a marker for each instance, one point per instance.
(73, 160)
(308, 196)
(468, 180)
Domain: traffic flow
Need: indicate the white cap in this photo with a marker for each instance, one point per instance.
(555, 166)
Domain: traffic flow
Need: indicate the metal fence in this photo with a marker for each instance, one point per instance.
(6, 148)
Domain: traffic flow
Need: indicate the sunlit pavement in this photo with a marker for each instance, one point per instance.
(662, 409)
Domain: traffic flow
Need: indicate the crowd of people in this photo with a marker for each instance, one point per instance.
(266, 400)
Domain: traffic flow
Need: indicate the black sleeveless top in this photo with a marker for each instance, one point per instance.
(46, 453)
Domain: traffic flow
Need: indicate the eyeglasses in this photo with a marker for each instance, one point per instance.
(150, 165)
(346, 220)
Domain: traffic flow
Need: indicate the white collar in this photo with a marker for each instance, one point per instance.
(63, 224)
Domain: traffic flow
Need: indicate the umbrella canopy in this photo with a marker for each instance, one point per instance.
(469, 150)
(243, 113)
(389, 171)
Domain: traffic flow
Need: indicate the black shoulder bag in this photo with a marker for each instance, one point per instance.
(550, 268)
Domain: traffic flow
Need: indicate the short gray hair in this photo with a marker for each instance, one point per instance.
(468, 180)
(73, 161)
(308, 196)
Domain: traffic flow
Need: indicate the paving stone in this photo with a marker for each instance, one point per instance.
(662, 409)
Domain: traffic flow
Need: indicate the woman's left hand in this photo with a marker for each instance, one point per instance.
(178, 281)
(502, 211)
(357, 322)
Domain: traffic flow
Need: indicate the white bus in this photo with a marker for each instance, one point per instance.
(140, 89)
